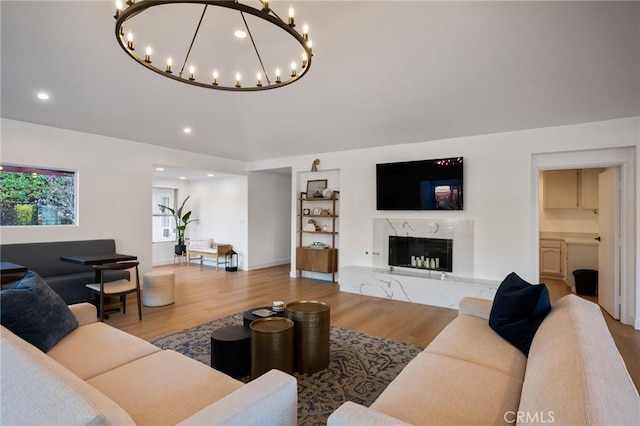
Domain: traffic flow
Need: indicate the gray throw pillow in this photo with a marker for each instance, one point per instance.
(36, 313)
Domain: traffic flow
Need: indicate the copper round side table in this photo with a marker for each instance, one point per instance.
(312, 346)
(271, 345)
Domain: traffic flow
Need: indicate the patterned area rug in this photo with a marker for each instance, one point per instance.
(360, 368)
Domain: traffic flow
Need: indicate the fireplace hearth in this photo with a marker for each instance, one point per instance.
(434, 254)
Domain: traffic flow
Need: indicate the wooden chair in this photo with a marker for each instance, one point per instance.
(116, 288)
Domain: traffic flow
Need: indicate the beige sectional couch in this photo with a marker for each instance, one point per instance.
(469, 375)
(99, 375)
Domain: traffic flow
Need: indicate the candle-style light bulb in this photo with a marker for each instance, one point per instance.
(119, 7)
(215, 78)
(259, 78)
(192, 70)
(169, 63)
(130, 40)
(147, 54)
(278, 76)
(305, 32)
(293, 69)
(305, 59)
(265, 5)
(291, 13)
(309, 44)
(238, 79)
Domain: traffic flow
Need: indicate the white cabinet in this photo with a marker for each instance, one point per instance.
(561, 189)
(589, 188)
(553, 259)
(571, 189)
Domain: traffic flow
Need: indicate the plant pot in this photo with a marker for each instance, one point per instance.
(180, 249)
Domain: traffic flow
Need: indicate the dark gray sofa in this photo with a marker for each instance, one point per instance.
(66, 279)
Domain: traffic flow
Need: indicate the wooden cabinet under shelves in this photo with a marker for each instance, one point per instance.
(318, 218)
(317, 260)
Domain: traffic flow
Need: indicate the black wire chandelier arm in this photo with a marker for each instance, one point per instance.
(195, 34)
(266, 76)
(266, 14)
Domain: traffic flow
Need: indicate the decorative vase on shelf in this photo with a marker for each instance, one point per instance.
(327, 193)
(318, 193)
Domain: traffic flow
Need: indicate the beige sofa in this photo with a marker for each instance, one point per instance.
(99, 375)
(469, 375)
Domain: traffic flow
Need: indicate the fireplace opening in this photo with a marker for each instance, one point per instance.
(421, 253)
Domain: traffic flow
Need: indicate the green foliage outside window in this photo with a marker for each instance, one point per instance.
(36, 196)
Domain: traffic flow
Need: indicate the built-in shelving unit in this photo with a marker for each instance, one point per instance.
(318, 217)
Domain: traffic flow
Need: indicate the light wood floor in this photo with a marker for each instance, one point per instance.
(204, 294)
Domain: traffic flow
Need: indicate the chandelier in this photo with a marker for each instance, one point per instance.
(299, 45)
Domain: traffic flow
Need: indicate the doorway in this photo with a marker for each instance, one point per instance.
(579, 228)
(623, 159)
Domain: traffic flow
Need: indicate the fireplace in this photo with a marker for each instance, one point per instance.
(421, 253)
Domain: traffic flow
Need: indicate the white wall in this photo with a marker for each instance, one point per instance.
(220, 204)
(114, 182)
(498, 190)
(269, 219)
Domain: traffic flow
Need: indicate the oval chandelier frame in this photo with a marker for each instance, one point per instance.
(132, 8)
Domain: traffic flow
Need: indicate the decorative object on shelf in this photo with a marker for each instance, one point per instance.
(327, 193)
(314, 166)
(315, 187)
(317, 211)
(311, 226)
(181, 224)
(306, 211)
(232, 261)
(227, 79)
(318, 245)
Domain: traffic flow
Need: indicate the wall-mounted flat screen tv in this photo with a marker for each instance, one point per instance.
(420, 185)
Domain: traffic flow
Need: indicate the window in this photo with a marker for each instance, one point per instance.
(35, 197)
(164, 226)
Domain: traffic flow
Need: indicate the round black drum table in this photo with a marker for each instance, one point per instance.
(231, 350)
(250, 317)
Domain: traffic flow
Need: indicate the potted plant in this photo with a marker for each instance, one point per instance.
(182, 220)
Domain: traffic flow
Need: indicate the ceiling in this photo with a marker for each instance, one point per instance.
(383, 73)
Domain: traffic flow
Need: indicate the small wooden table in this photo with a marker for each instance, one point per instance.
(97, 259)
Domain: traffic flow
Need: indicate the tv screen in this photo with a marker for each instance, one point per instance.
(420, 185)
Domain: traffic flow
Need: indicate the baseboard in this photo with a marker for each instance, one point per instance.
(269, 264)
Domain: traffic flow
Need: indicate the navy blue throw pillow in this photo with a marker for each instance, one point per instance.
(518, 310)
(36, 313)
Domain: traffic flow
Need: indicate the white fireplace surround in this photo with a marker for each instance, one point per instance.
(417, 286)
(460, 231)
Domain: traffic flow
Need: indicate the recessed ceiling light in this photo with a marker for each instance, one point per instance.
(240, 34)
(183, 177)
(210, 175)
(160, 169)
(43, 96)
(187, 130)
